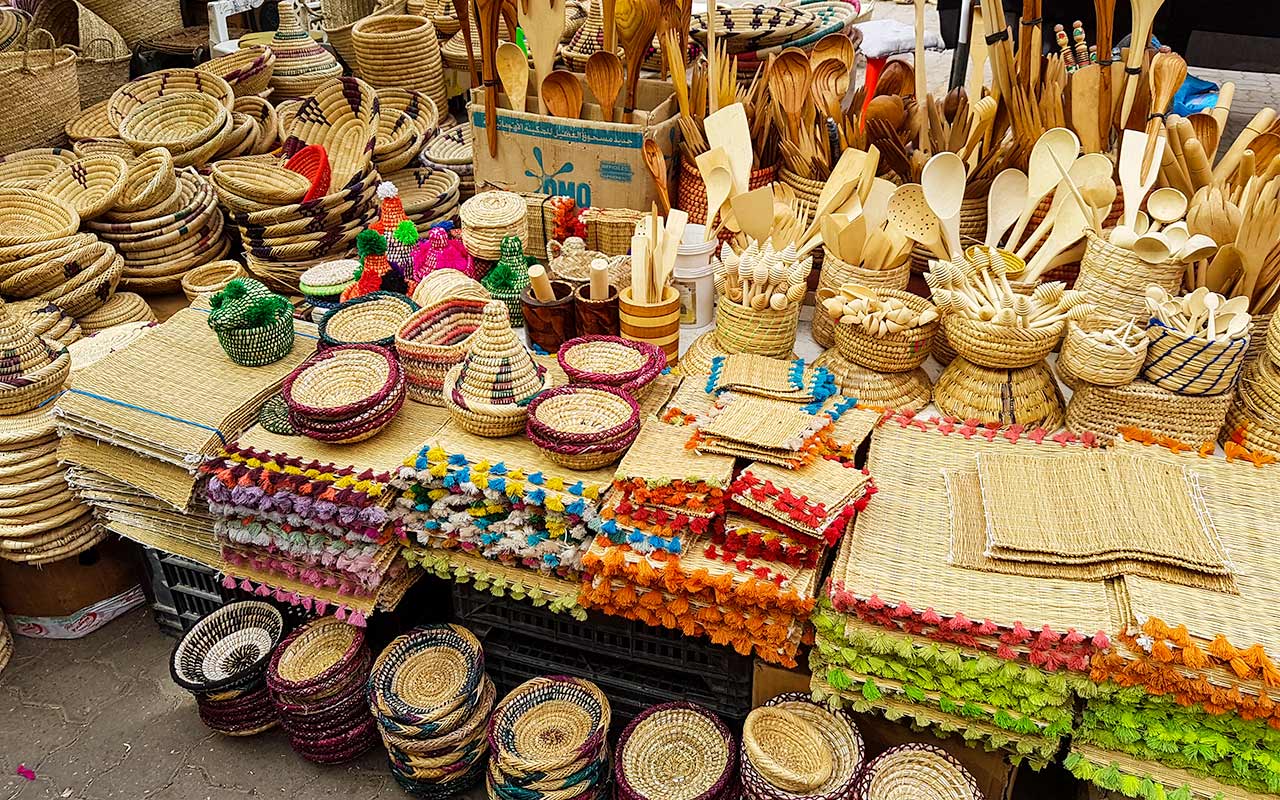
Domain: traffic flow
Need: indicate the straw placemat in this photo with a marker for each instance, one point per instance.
(761, 422)
(1110, 769)
(660, 456)
(169, 482)
(898, 549)
(813, 500)
(1139, 509)
(770, 377)
(969, 542)
(176, 389)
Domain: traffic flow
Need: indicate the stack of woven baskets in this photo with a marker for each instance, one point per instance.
(323, 284)
(407, 120)
(247, 71)
(793, 748)
(431, 698)
(345, 394)
(452, 150)
(317, 681)
(433, 340)
(676, 750)
(489, 218)
(330, 142)
(489, 391)
(185, 111)
(1254, 418)
(919, 771)
(583, 427)
(430, 195)
(222, 661)
(548, 737)
(400, 50)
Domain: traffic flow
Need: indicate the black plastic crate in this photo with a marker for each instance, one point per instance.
(635, 642)
(512, 657)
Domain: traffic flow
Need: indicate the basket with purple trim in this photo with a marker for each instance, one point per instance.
(583, 427)
(675, 751)
(345, 394)
(612, 361)
(919, 771)
(432, 341)
(840, 738)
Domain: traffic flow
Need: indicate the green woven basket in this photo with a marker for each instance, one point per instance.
(254, 326)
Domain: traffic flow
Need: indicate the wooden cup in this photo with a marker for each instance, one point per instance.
(655, 323)
(595, 317)
(549, 324)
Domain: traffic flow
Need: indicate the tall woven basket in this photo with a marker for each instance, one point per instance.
(39, 92)
(740, 329)
(102, 66)
(835, 273)
(1116, 281)
(138, 20)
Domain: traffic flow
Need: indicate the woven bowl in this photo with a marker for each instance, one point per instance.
(342, 117)
(229, 649)
(786, 749)
(91, 185)
(893, 352)
(341, 382)
(422, 678)
(919, 771)
(260, 181)
(180, 123)
(841, 739)
(999, 346)
(433, 340)
(583, 427)
(373, 318)
(418, 106)
(28, 217)
(547, 724)
(150, 181)
(316, 656)
(169, 81)
(211, 278)
(674, 751)
(611, 361)
(29, 169)
(247, 70)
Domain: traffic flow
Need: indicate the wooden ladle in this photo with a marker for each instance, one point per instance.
(637, 22)
(656, 163)
(604, 78)
(513, 71)
(943, 181)
(562, 93)
(1042, 175)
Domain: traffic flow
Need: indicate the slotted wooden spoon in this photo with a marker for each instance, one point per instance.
(910, 212)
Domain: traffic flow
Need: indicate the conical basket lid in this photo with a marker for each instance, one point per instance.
(296, 52)
(21, 351)
(499, 369)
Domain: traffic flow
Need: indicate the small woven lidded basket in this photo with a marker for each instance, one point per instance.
(489, 391)
(1192, 365)
(373, 318)
(1102, 363)
(999, 346)
(675, 751)
(583, 427)
(893, 352)
(918, 771)
(612, 361)
(345, 394)
(490, 217)
(254, 326)
(211, 278)
(741, 329)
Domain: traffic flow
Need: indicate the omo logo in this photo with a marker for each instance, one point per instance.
(552, 183)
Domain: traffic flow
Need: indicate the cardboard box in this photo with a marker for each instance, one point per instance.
(597, 163)
(770, 680)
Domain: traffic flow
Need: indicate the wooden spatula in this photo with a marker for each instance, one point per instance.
(754, 212)
(543, 24)
(728, 129)
(717, 175)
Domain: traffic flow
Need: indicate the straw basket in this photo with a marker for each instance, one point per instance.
(893, 352)
(611, 361)
(1026, 396)
(840, 739)
(1099, 363)
(211, 278)
(1190, 364)
(302, 64)
(785, 749)
(673, 745)
(29, 217)
(39, 92)
(583, 427)
(444, 284)
(341, 116)
(92, 123)
(91, 185)
(999, 346)
(345, 394)
(835, 273)
(432, 341)
(655, 323)
(1257, 336)
(29, 169)
(154, 85)
(248, 70)
(489, 391)
(373, 318)
(1254, 418)
(919, 771)
(740, 329)
(254, 327)
(100, 68)
(1104, 410)
(490, 217)
(190, 126)
(340, 34)
(893, 390)
(150, 181)
(1115, 281)
(138, 20)
(691, 195)
(402, 51)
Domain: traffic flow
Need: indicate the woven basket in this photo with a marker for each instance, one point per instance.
(302, 64)
(91, 123)
(786, 749)
(916, 770)
(101, 67)
(400, 51)
(138, 20)
(189, 125)
(432, 341)
(1254, 418)
(91, 185)
(341, 116)
(247, 70)
(373, 318)
(246, 341)
(1192, 365)
(691, 192)
(29, 217)
(889, 390)
(1104, 410)
(29, 169)
(675, 750)
(611, 361)
(1115, 281)
(340, 35)
(549, 734)
(835, 273)
(1099, 363)
(583, 427)
(150, 181)
(1027, 396)
(211, 278)
(1258, 338)
(894, 352)
(740, 329)
(227, 650)
(840, 739)
(444, 284)
(39, 92)
(166, 82)
(490, 217)
(1000, 346)
(344, 394)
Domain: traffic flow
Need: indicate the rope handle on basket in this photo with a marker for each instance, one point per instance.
(26, 49)
(112, 52)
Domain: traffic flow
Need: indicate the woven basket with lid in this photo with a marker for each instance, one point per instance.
(488, 392)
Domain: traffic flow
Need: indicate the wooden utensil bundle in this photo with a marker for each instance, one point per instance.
(1203, 314)
(978, 287)
(653, 254)
(855, 304)
(1127, 337)
(1249, 264)
(762, 277)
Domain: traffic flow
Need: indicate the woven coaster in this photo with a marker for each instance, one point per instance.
(969, 538)
(814, 500)
(274, 416)
(752, 421)
(770, 377)
(1130, 508)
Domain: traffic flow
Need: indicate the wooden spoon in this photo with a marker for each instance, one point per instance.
(1206, 130)
(562, 93)
(657, 166)
(1144, 13)
(637, 22)
(943, 181)
(1042, 175)
(717, 175)
(543, 22)
(1166, 205)
(790, 81)
(1068, 229)
(1133, 181)
(887, 107)
(1265, 148)
(833, 46)
(1004, 203)
(604, 78)
(1168, 71)
(513, 71)
(910, 212)
(754, 212)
